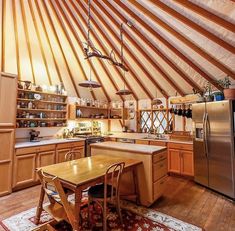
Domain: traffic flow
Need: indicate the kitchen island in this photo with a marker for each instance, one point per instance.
(152, 174)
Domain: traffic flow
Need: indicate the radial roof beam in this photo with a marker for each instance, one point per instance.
(184, 39)
(58, 42)
(168, 45)
(157, 51)
(195, 26)
(206, 14)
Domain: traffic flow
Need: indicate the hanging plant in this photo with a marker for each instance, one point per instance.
(229, 93)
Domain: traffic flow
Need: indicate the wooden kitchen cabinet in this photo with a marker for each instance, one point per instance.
(180, 159)
(27, 160)
(157, 143)
(142, 142)
(64, 148)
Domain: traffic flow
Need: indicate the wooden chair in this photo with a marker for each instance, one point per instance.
(59, 207)
(107, 192)
(71, 155)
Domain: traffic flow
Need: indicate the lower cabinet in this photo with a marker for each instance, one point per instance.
(26, 161)
(180, 159)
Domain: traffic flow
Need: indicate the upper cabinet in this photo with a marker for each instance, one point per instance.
(8, 89)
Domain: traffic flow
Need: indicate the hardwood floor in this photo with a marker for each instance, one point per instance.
(182, 199)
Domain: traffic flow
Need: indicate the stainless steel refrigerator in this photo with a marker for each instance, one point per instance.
(213, 145)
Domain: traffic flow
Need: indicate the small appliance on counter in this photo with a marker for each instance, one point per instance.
(34, 136)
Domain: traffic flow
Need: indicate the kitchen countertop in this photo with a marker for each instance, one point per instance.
(138, 148)
(27, 144)
(141, 136)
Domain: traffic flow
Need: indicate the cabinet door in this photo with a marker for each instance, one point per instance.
(79, 152)
(24, 170)
(6, 151)
(174, 160)
(46, 158)
(60, 154)
(187, 163)
(8, 89)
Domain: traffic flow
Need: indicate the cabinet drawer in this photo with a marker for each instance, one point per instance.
(159, 156)
(157, 143)
(158, 187)
(22, 151)
(47, 148)
(159, 170)
(180, 146)
(142, 142)
(78, 144)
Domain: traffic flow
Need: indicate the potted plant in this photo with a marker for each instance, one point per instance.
(229, 93)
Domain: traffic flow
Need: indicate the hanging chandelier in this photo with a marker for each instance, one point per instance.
(91, 51)
(123, 91)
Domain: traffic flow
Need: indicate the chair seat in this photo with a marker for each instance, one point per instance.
(97, 191)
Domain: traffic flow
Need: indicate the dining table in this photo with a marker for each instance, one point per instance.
(77, 175)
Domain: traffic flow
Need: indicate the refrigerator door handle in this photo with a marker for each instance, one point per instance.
(206, 134)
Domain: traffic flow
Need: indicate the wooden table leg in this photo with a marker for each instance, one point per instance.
(78, 197)
(40, 206)
(136, 184)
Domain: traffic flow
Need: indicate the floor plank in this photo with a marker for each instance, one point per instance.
(182, 199)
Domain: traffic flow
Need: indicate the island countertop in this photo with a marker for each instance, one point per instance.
(137, 148)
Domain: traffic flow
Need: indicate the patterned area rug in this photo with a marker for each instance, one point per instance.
(135, 218)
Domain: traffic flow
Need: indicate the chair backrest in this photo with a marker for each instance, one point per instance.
(113, 177)
(71, 155)
(55, 192)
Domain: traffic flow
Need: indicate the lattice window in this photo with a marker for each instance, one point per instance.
(155, 119)
(145, 121)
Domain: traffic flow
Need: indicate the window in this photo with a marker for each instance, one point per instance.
(155, 119)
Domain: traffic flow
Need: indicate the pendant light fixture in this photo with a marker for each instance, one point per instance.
(123, 91)
(90, 83)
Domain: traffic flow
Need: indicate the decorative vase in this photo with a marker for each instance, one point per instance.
(219, 96)
(229, 93)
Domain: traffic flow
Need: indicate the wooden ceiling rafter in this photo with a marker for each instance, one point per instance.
(58, 42)
(47, 39)
(101, 62)
(194, 26)
(3, 34)
(183, 39)
(16, 39)
(69, 23)
(26, 32)
(104, 49)
(111, 44)
(157, 51)
(143, 51)
(207, 14)
(40, 43)
(64, 30)
(169, 45)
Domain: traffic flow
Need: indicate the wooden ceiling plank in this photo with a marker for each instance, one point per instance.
(184, 39)
(207, 14)
(16, 39)
(47, 39)
(109, 40)
(3, 35)
(169, 45)
(58, 42)
(62, 25)
(65, 4)
(40, 43)
(145, 54)
(79, 43)
(157, 51)
(194, 25)
(103, 47)
(111, 44)
(27, 39)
